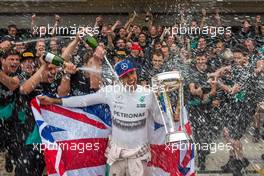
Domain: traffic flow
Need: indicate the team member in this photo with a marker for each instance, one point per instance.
(9, 82)
(240, 88)
(201, 94)
(30, 162)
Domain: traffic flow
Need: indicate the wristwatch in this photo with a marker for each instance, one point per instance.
(67, 76)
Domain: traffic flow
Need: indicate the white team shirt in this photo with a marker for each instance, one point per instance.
(129, 112)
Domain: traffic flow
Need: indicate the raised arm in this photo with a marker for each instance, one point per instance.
(96, 63)
(130, 20)
(150, 22)
(29, 85)
(202, 24)
(65, 84)
(33, 25)
(56, 23)
(98, 22)
(78, 101)
(117, 23)
(67, 54)
(217, 18)
(257, 23)
(110, 38)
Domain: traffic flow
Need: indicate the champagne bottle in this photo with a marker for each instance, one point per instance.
(91, 41)
(53, 59)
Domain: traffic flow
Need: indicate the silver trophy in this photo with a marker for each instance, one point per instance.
(164, 85)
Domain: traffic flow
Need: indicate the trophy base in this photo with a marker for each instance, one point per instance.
(179, 136)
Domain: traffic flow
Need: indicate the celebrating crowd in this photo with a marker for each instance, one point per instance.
(223, 79)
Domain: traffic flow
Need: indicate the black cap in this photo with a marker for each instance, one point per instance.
(27, 55)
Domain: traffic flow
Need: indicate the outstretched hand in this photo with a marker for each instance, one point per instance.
(45, 100)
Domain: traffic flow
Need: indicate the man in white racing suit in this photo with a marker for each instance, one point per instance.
(131, 105)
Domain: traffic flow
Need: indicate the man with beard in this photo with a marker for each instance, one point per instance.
(9, 83)
(200, 96)
(131, 106)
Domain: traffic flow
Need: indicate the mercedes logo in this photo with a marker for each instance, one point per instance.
(124, 66)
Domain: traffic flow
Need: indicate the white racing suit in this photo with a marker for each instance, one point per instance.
(128, 150)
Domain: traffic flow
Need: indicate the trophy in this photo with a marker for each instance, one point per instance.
(164, 85)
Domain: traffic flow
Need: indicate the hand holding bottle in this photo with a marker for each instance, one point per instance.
(91, 41)
(69, 68)
(53, 59)
(99, 53)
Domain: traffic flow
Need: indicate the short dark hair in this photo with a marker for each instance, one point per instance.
(157, 42)
(157, 53)
(9, 52)
(121, 39)
(245, 20)
(11, 26)
(219, 41)
(165, 46)
(200, 54)
(142, 33)
(240, 49)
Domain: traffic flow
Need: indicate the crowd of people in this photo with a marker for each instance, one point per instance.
(223, 79)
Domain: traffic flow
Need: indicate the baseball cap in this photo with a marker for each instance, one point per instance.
(121, 54)
(27, 55)
(124, 67)
(135, 46)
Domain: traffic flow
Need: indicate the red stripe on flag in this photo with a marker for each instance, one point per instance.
(188, 128)
(165, 158)
(187, 157)
(50, 159)
(62, 169)
(74, 115)
(35, 104)
(81, 153)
